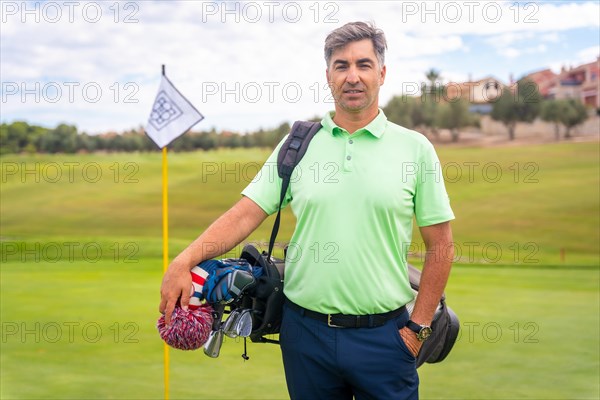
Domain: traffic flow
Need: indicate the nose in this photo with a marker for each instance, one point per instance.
(352, 76)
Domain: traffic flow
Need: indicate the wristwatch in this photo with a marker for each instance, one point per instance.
(422, 331)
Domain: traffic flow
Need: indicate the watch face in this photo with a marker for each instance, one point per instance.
(424, 333)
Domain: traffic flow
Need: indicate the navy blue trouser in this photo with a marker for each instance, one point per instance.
(322, 362)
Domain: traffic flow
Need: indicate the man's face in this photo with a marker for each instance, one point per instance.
(354, 76)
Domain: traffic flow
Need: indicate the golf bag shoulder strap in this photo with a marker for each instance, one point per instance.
(290, 154)
(294, 147)
(266, 300)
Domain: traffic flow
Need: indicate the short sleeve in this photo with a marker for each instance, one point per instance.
(432, 204)
(265, 188)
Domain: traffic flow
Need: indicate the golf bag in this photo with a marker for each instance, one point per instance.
(265, 298)
(249, 289)
(444, 326)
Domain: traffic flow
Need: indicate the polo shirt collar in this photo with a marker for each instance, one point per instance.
(375, 127)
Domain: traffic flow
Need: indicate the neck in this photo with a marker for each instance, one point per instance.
(354, 121)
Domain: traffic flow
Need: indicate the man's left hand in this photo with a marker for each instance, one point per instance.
(411, 341)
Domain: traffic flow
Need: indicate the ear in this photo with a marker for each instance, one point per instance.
(382, 77)
(329, 83)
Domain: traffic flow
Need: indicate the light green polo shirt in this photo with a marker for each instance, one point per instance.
(354, 198)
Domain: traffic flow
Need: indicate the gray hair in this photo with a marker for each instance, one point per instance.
(353, 32)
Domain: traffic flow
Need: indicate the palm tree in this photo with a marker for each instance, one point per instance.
(432, 76)
(431, 95)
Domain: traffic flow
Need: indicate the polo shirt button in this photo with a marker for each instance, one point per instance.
(348, 158)
(350, 141)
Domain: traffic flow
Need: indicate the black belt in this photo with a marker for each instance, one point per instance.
(349, 321)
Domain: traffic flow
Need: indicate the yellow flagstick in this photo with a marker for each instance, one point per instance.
(165, 219)
(165, 174)
(162, 140)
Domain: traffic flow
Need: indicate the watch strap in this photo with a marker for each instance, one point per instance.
(413, 326)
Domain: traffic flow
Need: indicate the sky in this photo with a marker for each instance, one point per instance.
(256, 64)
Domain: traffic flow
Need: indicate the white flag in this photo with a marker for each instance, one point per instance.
(172, 115)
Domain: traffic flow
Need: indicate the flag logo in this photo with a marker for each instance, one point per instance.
(164, 111)
(171, 116)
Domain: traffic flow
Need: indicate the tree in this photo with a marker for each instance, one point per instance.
(522, 105)
(454, 116)
(568, 112)
(62, 139)
(87, 142)
(19, 136)
(207, 140)
(432, 76)
(11, 137)
(550, 112)
(400, 110)
(573, 113)
(278, 133)
(430, 97)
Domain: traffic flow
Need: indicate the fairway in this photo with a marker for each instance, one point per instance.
(81, 269)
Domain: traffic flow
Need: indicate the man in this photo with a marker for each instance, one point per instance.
(345, 330)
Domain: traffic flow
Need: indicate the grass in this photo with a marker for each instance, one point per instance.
(519, 337)
(81, 268)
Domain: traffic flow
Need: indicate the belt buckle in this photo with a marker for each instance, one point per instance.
(330, 324)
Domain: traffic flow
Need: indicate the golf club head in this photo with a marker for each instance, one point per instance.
(236, 283)
(239, 323)
(212, 347)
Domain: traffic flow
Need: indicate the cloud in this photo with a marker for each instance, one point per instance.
(507, 39)
(589, 54)
(481, 18)
(220, 54)
(552, 37)
(582, 56)
(509, 52)
(520, 38)
(515, 44)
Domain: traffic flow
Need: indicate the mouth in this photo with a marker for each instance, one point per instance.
(352, 91)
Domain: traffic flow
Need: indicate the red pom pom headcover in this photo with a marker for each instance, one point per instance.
(189, 330)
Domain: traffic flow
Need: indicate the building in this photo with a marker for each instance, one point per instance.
(545, 80)
(581, 82)
(483, 91)
(480, 94)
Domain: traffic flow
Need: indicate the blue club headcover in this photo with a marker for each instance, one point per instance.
(226, 280)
